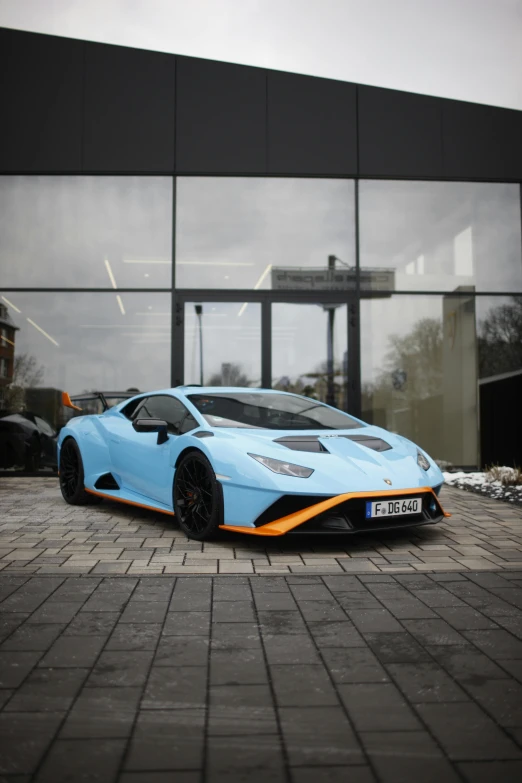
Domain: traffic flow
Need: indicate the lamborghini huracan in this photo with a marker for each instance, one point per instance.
(255, 461)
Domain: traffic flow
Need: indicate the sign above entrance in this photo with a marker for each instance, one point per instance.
(326, 279)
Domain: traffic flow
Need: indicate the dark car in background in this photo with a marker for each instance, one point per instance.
(27, 442)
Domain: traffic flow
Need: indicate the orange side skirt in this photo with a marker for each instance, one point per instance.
(129, 502)
(281, 526)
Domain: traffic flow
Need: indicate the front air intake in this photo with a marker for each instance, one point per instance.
(107, 481)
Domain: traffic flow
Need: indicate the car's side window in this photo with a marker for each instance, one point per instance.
(130, 409)
(169, 409)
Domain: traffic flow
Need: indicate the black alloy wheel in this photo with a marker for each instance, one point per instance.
(198, 499)
(72, 476)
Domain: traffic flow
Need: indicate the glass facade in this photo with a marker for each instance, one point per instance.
(255, 233)
(402, 318)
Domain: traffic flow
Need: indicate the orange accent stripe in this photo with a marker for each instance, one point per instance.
(129, 502)
(281, 526)
(66, 400)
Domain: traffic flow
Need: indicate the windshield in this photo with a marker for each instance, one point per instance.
(269, 411)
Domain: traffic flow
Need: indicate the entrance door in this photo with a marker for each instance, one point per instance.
(306, 343)
(222, 343)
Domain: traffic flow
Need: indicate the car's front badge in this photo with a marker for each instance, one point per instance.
(387, 481)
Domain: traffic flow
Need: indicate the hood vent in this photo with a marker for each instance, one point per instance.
(313, 442)
(302, 443)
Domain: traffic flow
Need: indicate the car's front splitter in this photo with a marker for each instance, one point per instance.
(291, 522)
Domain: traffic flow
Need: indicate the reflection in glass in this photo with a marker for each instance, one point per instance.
(499, 324)
(77, 343)
(419, 372)
(223, 344)
(309, 351)
(441, 235)
(239, 232)
(86, 232)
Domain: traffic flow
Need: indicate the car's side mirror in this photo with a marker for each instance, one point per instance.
(152, 425)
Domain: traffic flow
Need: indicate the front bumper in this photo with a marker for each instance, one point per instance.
(343, 514)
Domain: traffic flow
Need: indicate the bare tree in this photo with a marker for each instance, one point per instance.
(500, 339)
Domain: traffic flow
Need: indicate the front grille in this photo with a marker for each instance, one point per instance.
(350, 516)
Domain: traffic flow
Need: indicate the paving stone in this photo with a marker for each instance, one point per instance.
(276, 623)
(92, 624)
(102, 712)
(98, 760)
(121, 669)
(374, 621)
(400, 756)
(233, 612)
(302, 685)
(332, 775)
(291, 649)
(425, 682)
(467, 733)
(274, 602)
(353, 664)
(335, 634)
(241, 709)
(396, 647)
(486, 771)
(514, 668)
(245, 760)
(15, 666)
(377, 707)
(504, 703)
(497, 644)
(315, 610)
(9, 622)
(433, 632)
(465, 619)
(55, 612)
(48, 690)
(187, 624)
(315, 736)
(182, 651)
(70, 651)
(176, 687)
(235, 636)
(167, 740)
(238, 667)
(33, 637)
(134, 636)
(159, 777)
(24, 738)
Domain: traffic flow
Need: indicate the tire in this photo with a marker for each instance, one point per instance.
(72, 476)
(197, 497)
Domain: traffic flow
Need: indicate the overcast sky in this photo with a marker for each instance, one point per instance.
(465, 49)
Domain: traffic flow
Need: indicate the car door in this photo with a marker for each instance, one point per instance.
(144, 466)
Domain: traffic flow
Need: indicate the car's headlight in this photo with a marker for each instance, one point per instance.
(283, 468)
(422, 462)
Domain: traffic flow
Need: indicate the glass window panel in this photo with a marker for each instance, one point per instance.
(301, 346)
(499, 327)
(239, 232)
(438, 236)
(86, 232)
(420, 372)
(223, 343)
(78, 343)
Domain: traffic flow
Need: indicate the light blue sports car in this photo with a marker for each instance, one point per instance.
(253, 461)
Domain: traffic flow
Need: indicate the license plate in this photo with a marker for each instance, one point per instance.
(393, 508)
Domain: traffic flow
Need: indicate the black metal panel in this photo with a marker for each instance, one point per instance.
(221, 118)
(41, 100)
(312, 126)
(129, 110)
(481, 142)
(501, 422)
(400, 134)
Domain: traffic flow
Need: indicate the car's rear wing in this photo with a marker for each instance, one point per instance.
(66, 401)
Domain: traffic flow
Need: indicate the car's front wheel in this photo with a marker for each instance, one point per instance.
(198, 498)
(72, 476)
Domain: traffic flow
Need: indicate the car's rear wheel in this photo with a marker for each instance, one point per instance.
(72, 476)
(198, 499)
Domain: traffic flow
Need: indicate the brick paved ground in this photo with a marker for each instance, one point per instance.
(301, 679)
(305, 676)
(40, 534)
